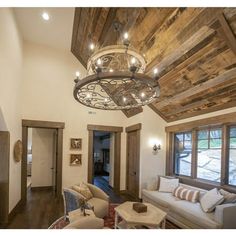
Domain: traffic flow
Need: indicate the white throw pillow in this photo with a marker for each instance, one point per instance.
(210, 200)
(168, 185)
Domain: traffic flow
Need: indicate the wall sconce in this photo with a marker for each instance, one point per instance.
(156, 148)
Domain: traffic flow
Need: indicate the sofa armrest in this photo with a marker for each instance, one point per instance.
(88, 222)
(225, 215)
(97, 192)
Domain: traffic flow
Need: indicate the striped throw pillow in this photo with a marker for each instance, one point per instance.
(186, 194)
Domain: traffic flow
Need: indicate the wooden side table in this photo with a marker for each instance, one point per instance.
(127, 218)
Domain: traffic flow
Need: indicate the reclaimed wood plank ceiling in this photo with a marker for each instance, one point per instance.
(194, 50)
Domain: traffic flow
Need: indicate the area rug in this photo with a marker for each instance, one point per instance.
(109, 221)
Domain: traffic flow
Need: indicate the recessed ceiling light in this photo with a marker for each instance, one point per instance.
(45, 16)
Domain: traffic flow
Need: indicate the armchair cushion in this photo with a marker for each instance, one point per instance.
(84, 190)
(97, 192)
(100, 206)
(89, 222)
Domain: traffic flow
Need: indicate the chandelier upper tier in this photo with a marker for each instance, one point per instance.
(116, 79)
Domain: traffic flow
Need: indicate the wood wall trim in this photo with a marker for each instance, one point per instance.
(117, 150)
(43, 124)
(58, 126)
(4, 175)
(105, 128)
(133, 127)
(216, 120)
(90, 155)
(204, 184)
(24, 165)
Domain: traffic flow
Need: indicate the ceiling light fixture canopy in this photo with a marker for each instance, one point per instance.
(116, 79)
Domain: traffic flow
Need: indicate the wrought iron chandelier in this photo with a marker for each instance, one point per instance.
(116, 79)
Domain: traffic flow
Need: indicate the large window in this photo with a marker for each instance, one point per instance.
(203, 152)
(183, 153)
(209, 145)
(232, 156)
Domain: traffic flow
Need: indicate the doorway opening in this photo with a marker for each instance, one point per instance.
(103, 159)
(41, 159)
(41, 167)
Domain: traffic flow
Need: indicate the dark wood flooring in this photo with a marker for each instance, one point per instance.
(42, 208)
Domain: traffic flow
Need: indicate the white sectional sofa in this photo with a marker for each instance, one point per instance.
(186, 214)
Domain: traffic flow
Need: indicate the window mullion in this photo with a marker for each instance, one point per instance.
(194, 155)
(224, 159)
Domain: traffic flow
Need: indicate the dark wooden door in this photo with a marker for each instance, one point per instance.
(133, 163)
(4, 176)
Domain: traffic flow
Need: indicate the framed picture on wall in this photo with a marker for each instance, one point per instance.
(75, 159)
(76, 143)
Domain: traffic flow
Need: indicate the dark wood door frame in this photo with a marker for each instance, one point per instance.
(136, 127)
(4, 176)
(58, 126)
(117, 150)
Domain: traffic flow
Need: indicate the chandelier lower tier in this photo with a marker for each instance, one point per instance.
(116, 81)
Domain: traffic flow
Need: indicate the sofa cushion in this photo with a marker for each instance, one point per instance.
(194, 213)
(161, 198)
(210, 200)
(100, 206)
(228, 197)
(168, 185)
(186, 194)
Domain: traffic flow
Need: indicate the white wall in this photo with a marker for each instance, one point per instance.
(42, 156)
(10, 93)
(48, 76)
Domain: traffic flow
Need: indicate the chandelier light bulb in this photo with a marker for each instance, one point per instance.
(99, 62)
(126, 35)
(105, 100)
(77, 74)
(91, 46)
(111, 70)
(155, 71)
(124, 99)
(88, 95)
(142, 94)
(45, 16)
(133, 60)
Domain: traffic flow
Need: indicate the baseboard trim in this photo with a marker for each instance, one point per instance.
(15, 210)
(41, 188)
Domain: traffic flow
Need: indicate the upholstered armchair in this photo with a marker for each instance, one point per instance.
(99, 202)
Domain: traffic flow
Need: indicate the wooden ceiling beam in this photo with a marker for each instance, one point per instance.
(204, 111)
(226, 32)
(199, 40)
(222, 78)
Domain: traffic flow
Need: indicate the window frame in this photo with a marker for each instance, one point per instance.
(228, 153)
(174, 168)
(214, 127)
(224, 122)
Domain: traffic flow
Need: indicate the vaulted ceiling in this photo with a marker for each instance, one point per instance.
(193, 48)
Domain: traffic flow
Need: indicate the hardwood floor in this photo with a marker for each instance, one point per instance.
(41, 210)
